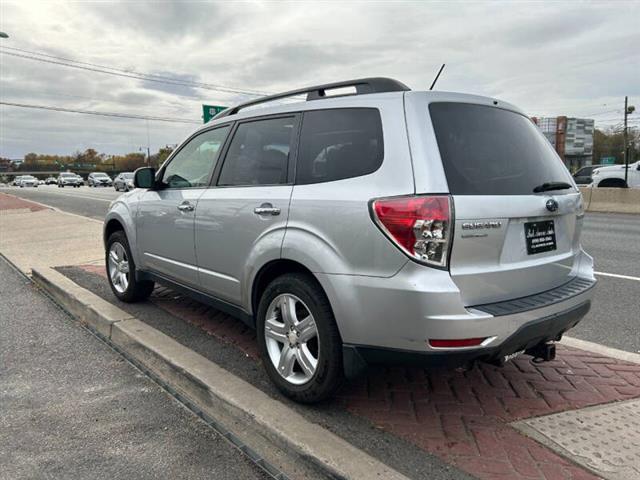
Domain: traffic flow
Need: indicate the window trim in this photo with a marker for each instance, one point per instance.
(377, 109)
(293, 150)
(163, 167)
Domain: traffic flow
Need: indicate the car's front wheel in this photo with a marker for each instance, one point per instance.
(299, 341)
(121, 271)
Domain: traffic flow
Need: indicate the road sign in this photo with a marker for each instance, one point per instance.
(608, 160)
(210, 111)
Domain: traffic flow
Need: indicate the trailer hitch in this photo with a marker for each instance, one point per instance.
(543, 352)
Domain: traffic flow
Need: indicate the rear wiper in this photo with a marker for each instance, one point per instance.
(546, 186)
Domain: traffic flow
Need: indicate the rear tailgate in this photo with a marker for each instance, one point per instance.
(508, 241)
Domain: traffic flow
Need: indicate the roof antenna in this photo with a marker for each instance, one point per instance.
(437, 77)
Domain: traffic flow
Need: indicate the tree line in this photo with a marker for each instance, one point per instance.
(610, 143)
(90, 160)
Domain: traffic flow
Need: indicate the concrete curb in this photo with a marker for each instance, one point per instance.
(601, 349)
(272, 430)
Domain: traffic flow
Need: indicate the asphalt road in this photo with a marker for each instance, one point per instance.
(73, 408)
(612, 239)
(85, 201)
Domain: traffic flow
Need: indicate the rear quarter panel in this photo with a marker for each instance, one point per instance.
(330, 229)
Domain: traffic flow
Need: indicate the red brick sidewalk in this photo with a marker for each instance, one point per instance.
(463, 417)
(11, 202)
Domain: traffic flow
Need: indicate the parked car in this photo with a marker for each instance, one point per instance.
(69, 179)
(386, 226)
(16, 180)
(124, 181)
(50, 181)
(583, 175)
(613, 176)
(28, 181)
(99, 179)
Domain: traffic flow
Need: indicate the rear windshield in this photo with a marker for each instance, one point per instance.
(490, 151)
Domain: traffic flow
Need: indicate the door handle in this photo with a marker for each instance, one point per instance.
(266, 209)
(186, 207)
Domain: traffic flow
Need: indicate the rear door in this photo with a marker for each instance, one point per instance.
(512, 236)
(165, 219)
(243, 217)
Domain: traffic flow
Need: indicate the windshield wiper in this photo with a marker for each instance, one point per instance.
(546, 186)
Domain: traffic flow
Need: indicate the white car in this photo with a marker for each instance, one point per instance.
(28, 181)
(613, 176)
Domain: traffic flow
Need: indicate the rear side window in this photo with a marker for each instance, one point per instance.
(338, 144)
(490, 151)
(259, 153)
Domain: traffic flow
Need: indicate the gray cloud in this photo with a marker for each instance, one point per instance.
(548, 58)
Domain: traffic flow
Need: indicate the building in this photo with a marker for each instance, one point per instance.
(5, 164)
(571, 137)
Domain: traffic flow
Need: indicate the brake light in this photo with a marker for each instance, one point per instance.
(419, 225)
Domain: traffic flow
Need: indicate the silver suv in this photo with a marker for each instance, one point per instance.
(377, 225)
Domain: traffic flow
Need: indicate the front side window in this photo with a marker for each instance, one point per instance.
(339, 143)
(193, 164)
(259, 153)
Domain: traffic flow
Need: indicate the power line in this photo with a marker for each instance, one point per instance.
(93, 67)
(601, 113)
(103, 114)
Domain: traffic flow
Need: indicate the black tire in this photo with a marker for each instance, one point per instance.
(612, 183)
(328, 375)
(136, 290)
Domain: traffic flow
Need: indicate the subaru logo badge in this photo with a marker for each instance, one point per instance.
(552, 205)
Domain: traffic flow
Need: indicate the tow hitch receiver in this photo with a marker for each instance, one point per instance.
(543, 352)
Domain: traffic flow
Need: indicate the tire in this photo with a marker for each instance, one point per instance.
(612, 183)
(322, 345)
(128, 290)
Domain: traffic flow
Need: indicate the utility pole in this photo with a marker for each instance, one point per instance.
(628, 110)
(626, 148)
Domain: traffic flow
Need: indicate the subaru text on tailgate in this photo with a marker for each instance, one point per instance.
(380, 226)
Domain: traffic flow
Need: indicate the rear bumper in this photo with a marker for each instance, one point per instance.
(401, 313)
(527, 336)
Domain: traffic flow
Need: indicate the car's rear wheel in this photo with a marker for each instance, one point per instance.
(299, 341)
(121, 270)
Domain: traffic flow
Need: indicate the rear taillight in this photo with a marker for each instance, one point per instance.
(419, 225)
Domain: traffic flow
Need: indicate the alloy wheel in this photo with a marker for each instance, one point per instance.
(118, 267)
(291, 337)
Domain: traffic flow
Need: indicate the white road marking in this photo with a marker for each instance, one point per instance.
(616, 275)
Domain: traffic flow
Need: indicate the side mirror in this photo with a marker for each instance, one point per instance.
(144, 177)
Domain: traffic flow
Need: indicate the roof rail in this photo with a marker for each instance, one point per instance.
(362, 86)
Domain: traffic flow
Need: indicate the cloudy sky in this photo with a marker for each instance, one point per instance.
(550, 58)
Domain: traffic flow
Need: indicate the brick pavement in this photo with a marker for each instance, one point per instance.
(463, 417)
(11, 202)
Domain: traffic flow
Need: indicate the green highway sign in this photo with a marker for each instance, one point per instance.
(210, 111)
(608, 160)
